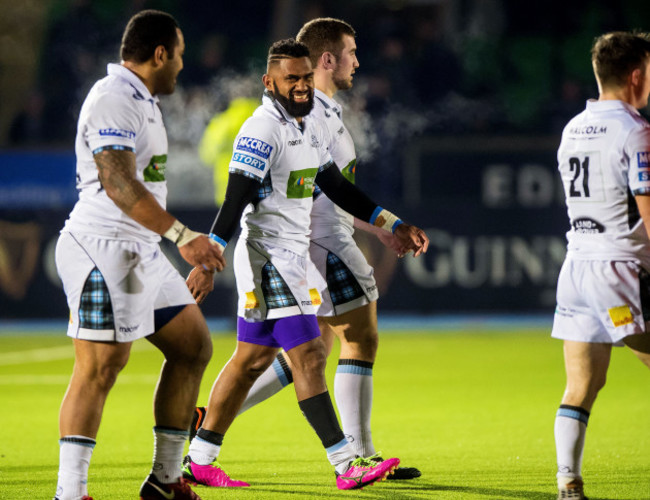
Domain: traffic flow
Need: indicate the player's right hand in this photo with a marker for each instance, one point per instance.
(412, 238)
(202, 252)
(200, 282)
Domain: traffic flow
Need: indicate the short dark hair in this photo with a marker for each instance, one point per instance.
(324, 34)
(144, 32)
(289, 48)
(615, 55)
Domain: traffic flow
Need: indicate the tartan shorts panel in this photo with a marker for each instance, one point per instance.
(95, 308)
(341, 283)
(276, 292)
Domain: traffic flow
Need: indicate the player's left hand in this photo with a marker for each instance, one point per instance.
(411, 238)
(201, 283)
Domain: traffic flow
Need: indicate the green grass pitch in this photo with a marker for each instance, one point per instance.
(474, 410)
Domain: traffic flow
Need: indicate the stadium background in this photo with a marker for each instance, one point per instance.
(457, 110)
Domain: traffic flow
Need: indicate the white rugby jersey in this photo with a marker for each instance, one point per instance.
(604, 160)
(119, 112)
(272, 147)
(326, 217)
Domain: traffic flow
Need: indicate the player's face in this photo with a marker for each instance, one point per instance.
(346, 64)
(292, 83)
(172, 66)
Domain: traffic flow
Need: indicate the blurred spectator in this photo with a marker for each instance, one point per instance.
(435, 68)
(74, 45)
(215, 148)
(29, 127)
(209, 62)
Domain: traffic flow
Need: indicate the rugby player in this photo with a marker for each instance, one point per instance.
(603, 291)
(119, 285)
(278, 155)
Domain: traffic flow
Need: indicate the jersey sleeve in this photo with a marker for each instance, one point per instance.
(112, 122)
(638, 150)
(253, 149)
(324, 144)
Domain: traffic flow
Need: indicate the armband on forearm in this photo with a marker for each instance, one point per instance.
(179, 234)
(385, 220)
(220, 242)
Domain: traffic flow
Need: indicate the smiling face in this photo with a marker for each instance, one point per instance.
(346, 64)
(291, 81)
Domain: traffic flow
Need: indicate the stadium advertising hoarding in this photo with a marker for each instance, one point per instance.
(493, 209)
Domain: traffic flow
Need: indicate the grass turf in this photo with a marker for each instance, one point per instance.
(473, 410)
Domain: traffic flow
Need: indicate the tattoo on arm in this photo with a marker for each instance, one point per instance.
(117, 176)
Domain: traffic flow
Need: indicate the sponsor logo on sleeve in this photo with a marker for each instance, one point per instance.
(155, 171)
(644, 176)
(255, 146)
(116, 132)
(643, 157)
(349, 171)
(251, 161)
(621, 315)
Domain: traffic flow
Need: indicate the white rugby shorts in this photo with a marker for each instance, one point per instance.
(601, 301)
(273, 282)
(350, 279)
(114, 286)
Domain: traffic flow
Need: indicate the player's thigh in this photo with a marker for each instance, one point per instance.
(185, 336)
(640, 345)
(356, 329)
(100, 361)
(253, 357)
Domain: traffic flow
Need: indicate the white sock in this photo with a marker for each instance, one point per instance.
(275, 378)
(168, 453)
(340, 455)
(353, 394)
(74, 460)
(570, 430)
(203, 452)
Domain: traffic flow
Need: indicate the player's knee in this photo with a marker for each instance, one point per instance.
(312, 360)
(104, 376)
(251, 369)
(370, 342)
(584, 394)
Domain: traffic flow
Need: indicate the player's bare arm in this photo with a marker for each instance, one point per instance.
(116, 170)
(387, 239)
(354, 201)
(643, 203)
(117, 175)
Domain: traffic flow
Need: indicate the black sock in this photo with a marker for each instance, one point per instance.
(319, 412)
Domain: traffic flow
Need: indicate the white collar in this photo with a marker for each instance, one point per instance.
(128, 75)
(595, 105)
(328, 102)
